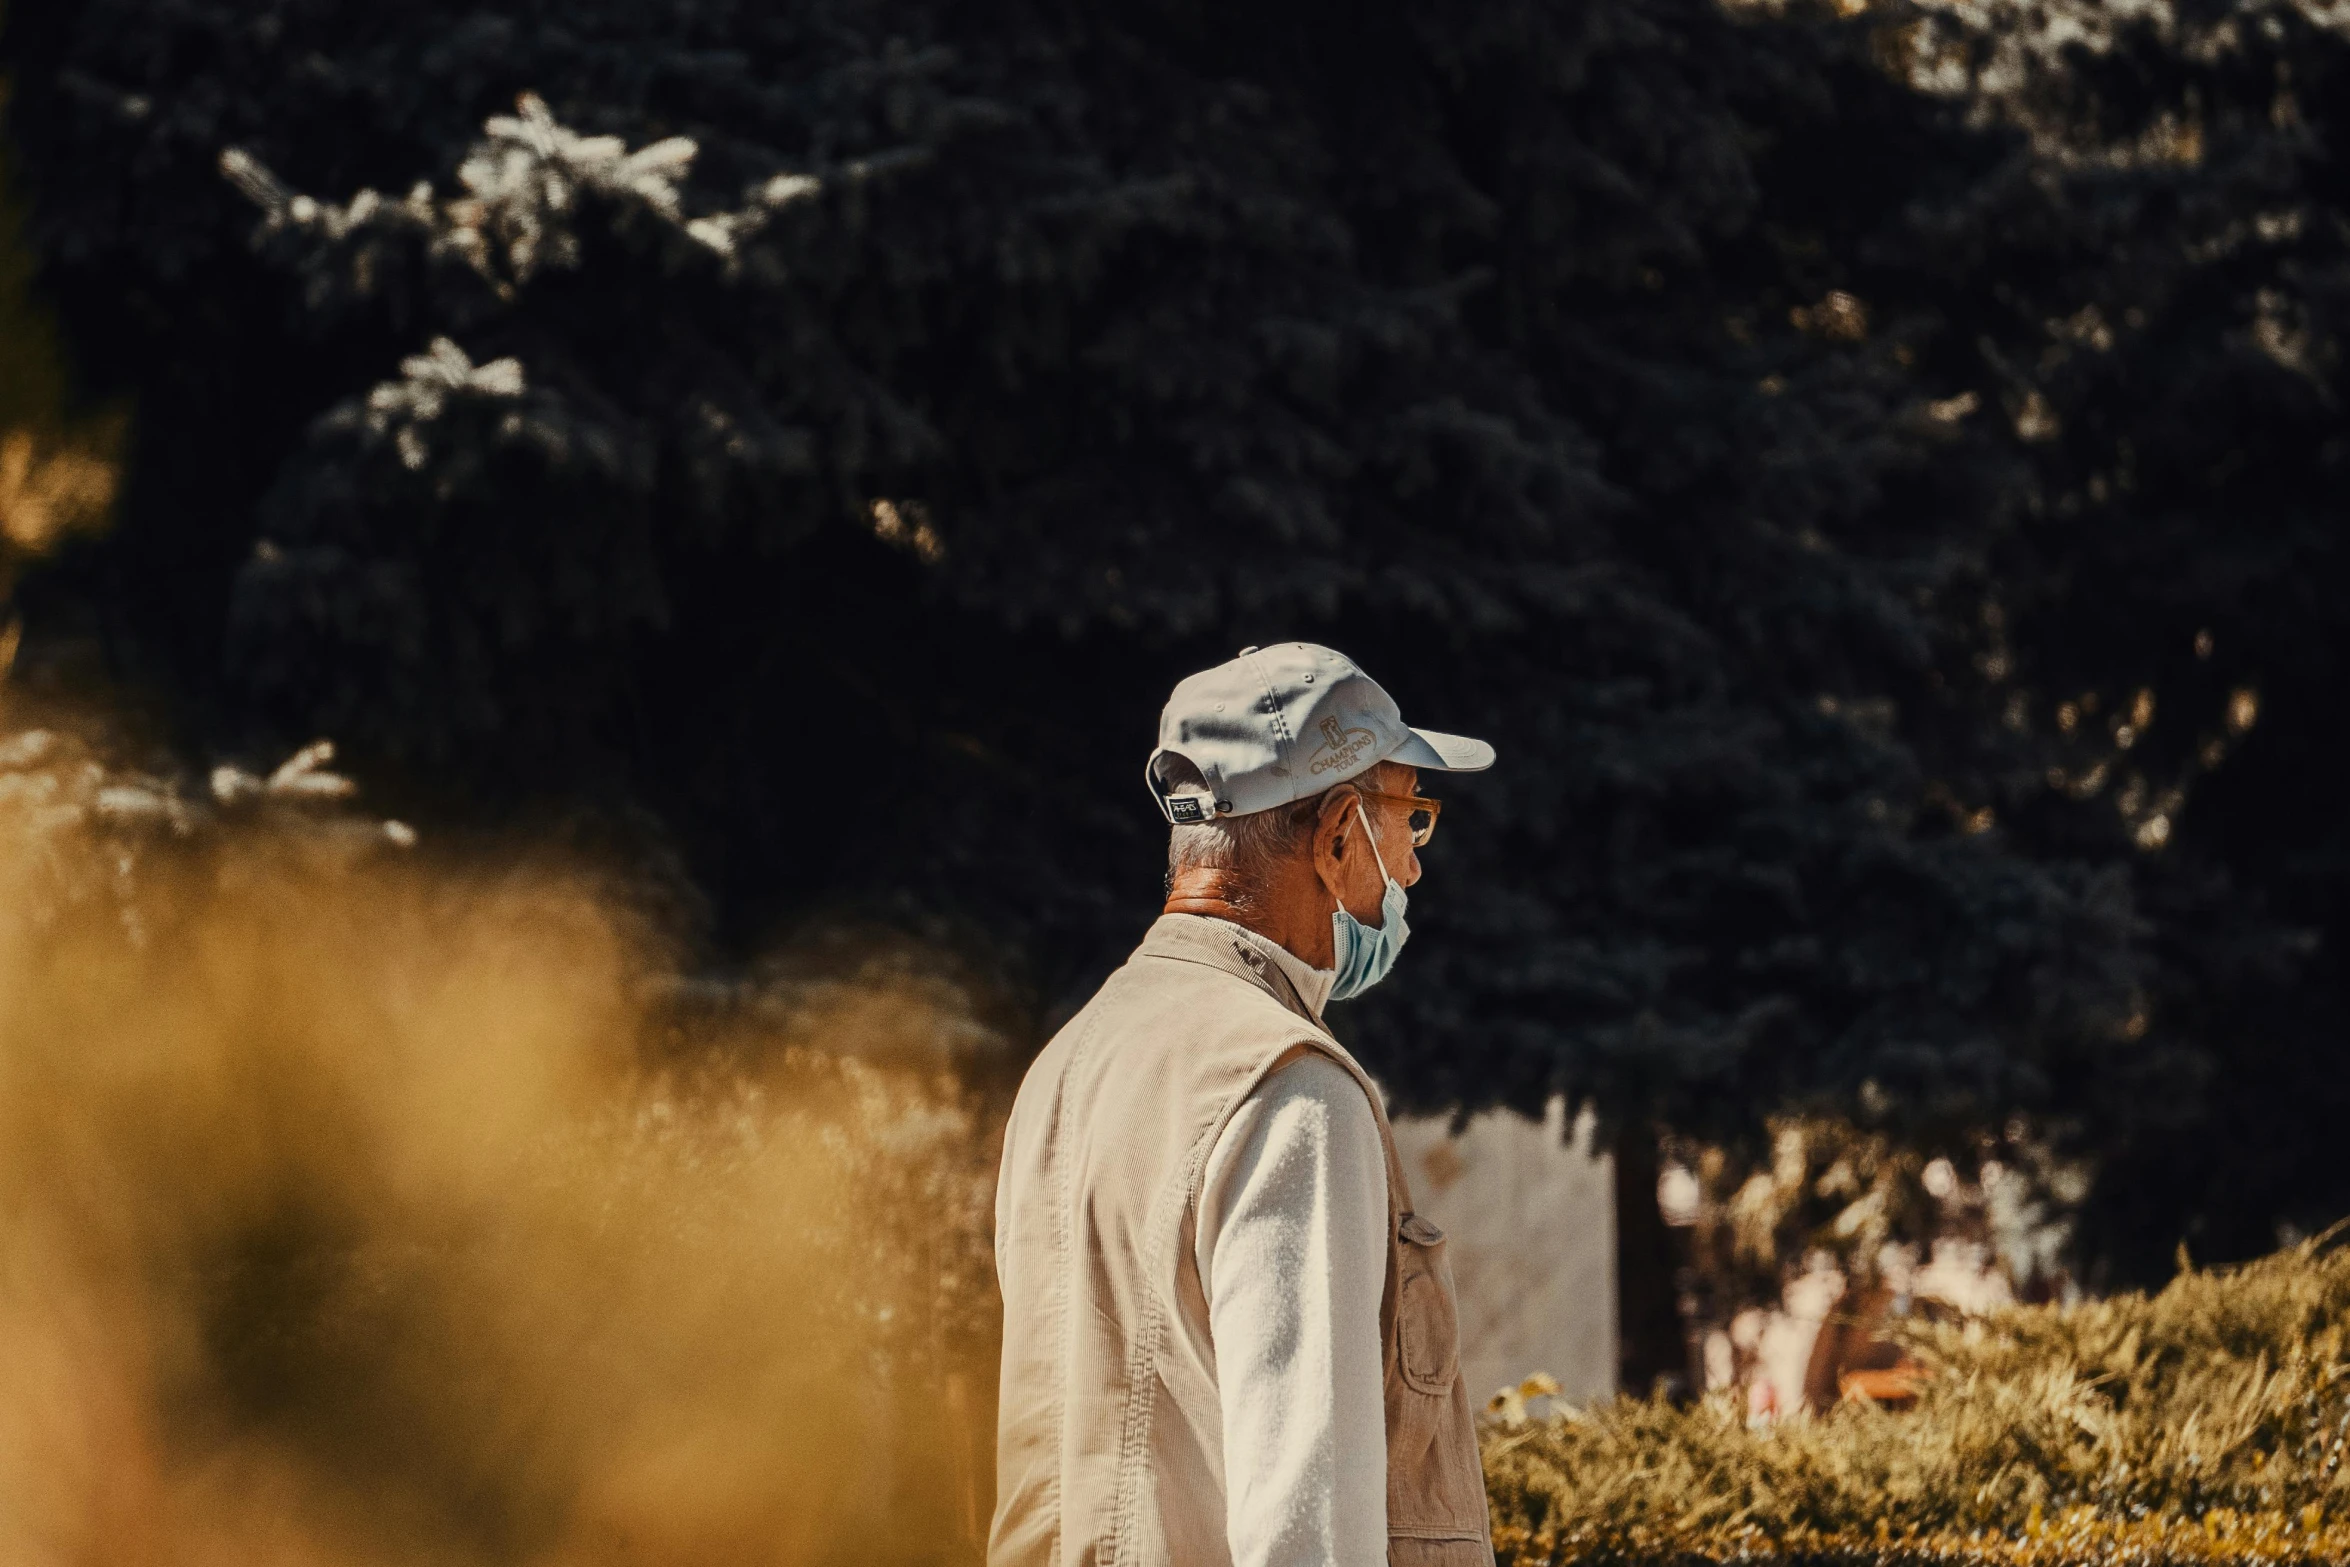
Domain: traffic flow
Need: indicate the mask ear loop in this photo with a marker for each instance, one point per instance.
(1377, 858)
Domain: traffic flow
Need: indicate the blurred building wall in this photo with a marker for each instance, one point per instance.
(1529, 1209)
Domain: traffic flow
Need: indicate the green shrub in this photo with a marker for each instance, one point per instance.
(2204, 1423)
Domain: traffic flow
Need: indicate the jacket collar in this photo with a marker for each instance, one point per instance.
(1192, 938)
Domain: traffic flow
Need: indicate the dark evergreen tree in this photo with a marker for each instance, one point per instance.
(2170, 592)
(827, 431)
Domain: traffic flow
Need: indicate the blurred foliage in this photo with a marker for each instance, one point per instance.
(364, 1208)
(1836, 1192)
(57, 474)
(1870, 468)
(2204, 1423)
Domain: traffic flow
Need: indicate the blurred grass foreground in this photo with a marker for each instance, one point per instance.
(363, 1209)
(2206, 1423)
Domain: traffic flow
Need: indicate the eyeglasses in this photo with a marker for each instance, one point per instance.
(1424, 812)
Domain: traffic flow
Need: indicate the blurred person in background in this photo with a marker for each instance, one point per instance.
(1227, 1336)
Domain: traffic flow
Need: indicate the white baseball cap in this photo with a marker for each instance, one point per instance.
(1285, 723)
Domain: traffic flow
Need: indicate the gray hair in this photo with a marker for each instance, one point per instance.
(1247, 846)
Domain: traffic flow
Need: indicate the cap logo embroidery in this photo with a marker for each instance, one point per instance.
(1341, 746)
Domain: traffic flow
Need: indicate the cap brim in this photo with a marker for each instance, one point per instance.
(1443, 753)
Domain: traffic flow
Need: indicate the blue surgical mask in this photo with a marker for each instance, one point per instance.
(1365, 956)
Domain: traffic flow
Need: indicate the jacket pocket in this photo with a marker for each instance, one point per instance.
(1427, 1323)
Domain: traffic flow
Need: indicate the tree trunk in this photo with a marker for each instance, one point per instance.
(1651, 1345)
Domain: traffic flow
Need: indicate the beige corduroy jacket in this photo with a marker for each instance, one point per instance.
(1109, 1450)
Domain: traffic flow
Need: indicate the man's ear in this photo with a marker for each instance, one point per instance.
(1330, 838)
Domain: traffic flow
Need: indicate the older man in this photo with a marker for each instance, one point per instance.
(1227, 1337)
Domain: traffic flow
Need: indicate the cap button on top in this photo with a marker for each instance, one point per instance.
(1246, 651)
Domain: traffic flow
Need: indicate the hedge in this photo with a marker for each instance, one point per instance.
(2204, 1423)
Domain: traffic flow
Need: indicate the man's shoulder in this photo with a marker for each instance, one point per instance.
(1192, 983)
(1177, 1014)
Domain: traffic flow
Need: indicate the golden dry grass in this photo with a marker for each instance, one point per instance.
(361, 1209)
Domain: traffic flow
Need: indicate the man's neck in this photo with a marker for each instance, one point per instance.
(1294, 921)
